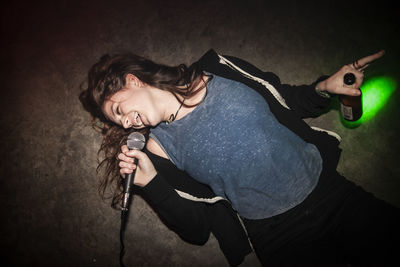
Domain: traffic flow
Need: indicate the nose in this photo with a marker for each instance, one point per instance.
(126, 123)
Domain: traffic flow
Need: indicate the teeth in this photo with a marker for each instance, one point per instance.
(136, 120)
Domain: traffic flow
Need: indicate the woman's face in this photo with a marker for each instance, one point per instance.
(133, 106)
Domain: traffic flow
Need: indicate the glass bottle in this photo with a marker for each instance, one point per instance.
(350, 106)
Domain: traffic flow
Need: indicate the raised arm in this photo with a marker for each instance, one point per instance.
(307, 100)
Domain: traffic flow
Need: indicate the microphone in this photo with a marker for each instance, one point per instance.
(135, 141)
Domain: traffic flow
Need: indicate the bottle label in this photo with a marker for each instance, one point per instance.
(347, 112)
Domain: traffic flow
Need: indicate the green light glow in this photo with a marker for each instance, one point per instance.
(376, 92)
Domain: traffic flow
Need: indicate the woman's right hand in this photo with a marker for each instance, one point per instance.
(145, 170)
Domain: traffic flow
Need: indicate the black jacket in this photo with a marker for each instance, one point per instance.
(190, 214)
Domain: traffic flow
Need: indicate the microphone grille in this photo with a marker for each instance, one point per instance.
(136, 141)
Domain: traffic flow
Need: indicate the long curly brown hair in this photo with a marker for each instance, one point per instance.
(105, 78)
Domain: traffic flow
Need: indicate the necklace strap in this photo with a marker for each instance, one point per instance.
(173, 117)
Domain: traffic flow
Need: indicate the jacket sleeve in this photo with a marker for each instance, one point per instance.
(186, 218)
(302, 99)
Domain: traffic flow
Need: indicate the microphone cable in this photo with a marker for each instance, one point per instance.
(124, 216)
(136, 141)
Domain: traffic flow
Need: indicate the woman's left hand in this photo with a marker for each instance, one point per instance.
(335, 85)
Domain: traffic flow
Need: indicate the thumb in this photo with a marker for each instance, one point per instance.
(136, 154)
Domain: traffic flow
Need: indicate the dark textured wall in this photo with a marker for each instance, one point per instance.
(51, 213)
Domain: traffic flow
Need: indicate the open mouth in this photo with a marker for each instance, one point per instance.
(137, 121)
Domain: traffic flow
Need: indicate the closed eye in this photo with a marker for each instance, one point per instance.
(118, 111)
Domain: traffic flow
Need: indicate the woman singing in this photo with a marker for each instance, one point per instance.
(226, 138)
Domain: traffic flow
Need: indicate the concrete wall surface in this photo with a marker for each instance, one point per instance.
(51, 212)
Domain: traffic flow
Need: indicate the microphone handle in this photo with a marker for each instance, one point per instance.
(129, 178)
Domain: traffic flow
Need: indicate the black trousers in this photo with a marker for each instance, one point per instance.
(338, 224)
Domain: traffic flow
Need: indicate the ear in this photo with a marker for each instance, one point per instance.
(132, 79)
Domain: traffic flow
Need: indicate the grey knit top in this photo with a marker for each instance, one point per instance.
(233, 143)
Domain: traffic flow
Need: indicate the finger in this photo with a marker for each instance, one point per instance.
(355, 65)
(125, 171)
(136, 154)
(126, 165)
(124, 149)
(123, 157)
(351, 92)
(363, 68)
(368, 59)
(359, 79)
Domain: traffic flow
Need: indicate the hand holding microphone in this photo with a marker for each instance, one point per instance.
(135, 165)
